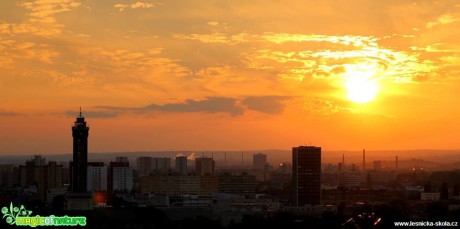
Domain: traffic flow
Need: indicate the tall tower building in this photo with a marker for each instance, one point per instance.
(80, 154)
(204, 166)
(259, 161)
(79, 198)
(181, 165)
(364, 160)
(144, 165)
(306, 175)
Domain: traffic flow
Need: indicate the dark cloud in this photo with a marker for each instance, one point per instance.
(266, 104)
(209, 105)
(94, 114)
(4, 113)
(232, 106)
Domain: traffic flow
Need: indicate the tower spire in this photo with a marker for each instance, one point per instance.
(80, 116)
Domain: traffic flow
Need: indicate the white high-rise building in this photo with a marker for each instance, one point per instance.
(96, 177)
(122, 178)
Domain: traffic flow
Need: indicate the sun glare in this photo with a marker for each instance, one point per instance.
(361, 83)
(361, 90)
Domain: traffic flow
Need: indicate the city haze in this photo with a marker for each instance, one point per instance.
(408, 159)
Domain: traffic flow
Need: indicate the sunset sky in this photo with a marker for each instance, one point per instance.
(229, 75)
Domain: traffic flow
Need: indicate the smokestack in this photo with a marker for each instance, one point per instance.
(396, 162)
(343, 159)
(242, 161)
(225, 159)
(364, 159)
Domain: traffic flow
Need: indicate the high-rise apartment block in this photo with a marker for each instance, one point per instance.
(144, 165)
(204, 167)
(181, 165)
(306, 175)
(44, 176)
(97, 176)
(120, 177)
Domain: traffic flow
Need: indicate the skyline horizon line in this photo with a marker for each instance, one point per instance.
(233, 151)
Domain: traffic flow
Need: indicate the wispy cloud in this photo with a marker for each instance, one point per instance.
(22, 40)
(354, 40)
(121, 58)
(443, 20)
(137, 5)
(43, 11)
(142, 5)
(439, 48)
(13, 50)
(213, 23)
(75, 78)
(41, 21)
(217, 38)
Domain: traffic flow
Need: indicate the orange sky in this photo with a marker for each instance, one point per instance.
(229, 75)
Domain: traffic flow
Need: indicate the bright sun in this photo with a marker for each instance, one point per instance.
(360, 83)
(361, 90)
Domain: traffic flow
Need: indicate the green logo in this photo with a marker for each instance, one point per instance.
(21, 217)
